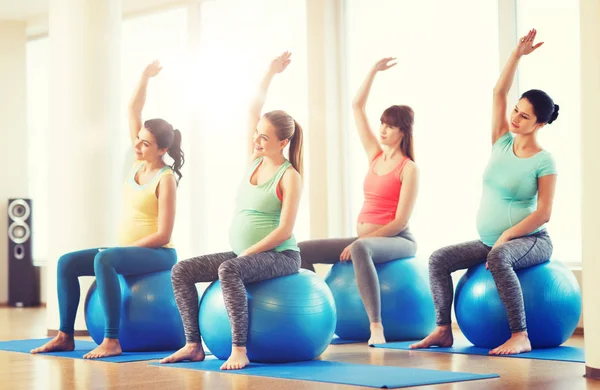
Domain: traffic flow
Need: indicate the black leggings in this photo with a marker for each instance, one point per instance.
(233, 272)
(503, 260)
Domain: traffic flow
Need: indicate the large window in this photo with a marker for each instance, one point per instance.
(238, 40)
(447, 66)
(554, 68)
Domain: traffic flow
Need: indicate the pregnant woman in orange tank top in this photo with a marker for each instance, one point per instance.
(390, 191)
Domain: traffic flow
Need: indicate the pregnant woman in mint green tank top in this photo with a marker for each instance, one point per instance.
(516, 203)
(261, 233)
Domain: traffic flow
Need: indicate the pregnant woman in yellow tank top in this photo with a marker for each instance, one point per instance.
(144, 235)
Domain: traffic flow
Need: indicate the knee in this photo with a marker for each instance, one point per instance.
(180, 272)
(360, 251)
(65, 263)
(104, 259)
(498, 259)
(227, 269)
(438, 260)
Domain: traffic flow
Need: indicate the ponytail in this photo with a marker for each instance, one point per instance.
(407, 145)
(287, 128)
(176, 154)
(296, 148)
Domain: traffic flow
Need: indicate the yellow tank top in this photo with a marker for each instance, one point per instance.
(140, 207)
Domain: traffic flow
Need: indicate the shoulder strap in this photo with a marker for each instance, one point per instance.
(401, 165)
(164, 171)
(280, 173)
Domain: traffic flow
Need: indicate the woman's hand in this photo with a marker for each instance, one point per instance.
(279, 64)
(525, 45)
(152, 69)
(345, 256)
(384, 64)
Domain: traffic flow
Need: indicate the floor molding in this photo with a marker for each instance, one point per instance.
(5, 304)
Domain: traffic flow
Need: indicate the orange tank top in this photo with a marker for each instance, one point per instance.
(382, 193)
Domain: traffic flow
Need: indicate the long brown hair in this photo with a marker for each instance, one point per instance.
(168, 138)
(286, 127)
(402, 117)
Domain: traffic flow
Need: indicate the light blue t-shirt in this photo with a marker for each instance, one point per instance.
(510, 189)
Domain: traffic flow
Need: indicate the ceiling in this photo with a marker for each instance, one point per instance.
(35, 9)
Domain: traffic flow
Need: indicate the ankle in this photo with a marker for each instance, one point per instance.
(62, 336)
(238, 349)
(522, 334)
(376, 325)
(111, 341)
(446, 328)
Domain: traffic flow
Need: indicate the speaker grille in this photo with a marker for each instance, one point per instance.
(19, 232)
(19, 210)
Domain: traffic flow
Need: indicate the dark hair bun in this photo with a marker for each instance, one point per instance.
(554, 114)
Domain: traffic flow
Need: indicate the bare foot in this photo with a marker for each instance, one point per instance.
(441, 337)
(109, 347)
(62, 342)
(194, 352)
(517, 343)
(377, 336)
(238, 359)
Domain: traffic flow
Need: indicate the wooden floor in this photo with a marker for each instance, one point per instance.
(22, 371)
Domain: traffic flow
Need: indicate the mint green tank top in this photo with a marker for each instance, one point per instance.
(510, 189)
(258, 212)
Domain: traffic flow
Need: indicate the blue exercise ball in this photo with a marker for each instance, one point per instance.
(150, 320)
(552, 306)
(407, 310)
(291, 318)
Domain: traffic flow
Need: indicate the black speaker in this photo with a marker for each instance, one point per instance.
(23, 276)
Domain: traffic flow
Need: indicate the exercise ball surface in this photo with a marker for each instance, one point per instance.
(552, 300)
(407, 310)
(150, 320)
(290, 318)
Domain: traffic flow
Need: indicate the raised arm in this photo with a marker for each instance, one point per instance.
(138, 99)
(278, 65)
(499, 119)
(367, 137)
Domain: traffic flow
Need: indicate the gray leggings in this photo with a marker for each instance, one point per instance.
(503, 260)
(365, 253)
(233, 272)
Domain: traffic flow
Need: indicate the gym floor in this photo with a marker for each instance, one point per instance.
(22, 371)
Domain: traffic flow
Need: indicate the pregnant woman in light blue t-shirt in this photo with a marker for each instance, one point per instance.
(516, 203)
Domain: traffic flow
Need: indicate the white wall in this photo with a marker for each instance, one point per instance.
(590, 138)
(13, 131)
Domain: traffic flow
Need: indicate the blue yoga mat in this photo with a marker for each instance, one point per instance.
(382, 377)
(463, 346)
(336, 340)
(81, 348)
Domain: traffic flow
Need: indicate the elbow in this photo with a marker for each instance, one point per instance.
(546, 217)
(163, 239)
(286, 233)
(133, 109)
(500, 92)
(358, 103)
